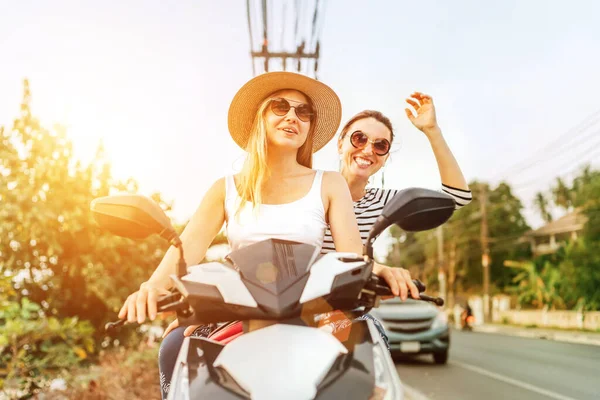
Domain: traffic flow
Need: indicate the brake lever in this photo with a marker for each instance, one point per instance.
(110, 327)
(438, 301)
(420, 285)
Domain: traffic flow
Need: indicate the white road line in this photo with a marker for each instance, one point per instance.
(514, 382)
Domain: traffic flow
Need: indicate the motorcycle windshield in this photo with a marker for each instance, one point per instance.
(275, 271)
(272, 280)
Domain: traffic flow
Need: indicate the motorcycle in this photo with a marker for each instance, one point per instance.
(278, 289)
(467, 320)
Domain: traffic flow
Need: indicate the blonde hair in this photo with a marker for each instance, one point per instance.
(255, 170)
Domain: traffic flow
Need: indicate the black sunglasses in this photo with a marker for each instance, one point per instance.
(281, 107)
(360, 139)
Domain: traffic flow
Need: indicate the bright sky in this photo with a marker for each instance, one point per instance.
(154, 80)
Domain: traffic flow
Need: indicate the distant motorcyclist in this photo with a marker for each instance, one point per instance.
(467, 318)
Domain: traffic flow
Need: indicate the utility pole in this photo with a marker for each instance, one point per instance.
(452, 275)
(441, 269)
(286, 36)
(485, 253)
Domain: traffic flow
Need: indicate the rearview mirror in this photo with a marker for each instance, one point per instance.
(133, 216)
(413, 210)
(418, 209)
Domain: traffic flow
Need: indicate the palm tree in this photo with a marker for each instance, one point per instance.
(541, 202)
(551, 291)
(562, 194)
(539, 289)
(582, 185)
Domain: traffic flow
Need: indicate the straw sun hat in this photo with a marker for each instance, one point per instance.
(243, 108)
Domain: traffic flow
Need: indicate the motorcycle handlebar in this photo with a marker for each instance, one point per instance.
(174, 301)
(169, 302)
(438, 301)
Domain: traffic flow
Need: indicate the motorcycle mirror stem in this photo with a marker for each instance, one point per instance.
(181, 264)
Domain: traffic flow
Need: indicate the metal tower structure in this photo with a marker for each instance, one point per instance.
(285, 35)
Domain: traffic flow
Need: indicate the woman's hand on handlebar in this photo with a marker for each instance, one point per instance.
(398, 279)
(142, 303)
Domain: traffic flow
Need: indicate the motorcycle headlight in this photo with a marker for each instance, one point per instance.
(440, 321)
(387, 383)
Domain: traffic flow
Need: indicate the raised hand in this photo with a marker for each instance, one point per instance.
(425, 118)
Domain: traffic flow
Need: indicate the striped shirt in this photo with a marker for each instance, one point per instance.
(370, 206)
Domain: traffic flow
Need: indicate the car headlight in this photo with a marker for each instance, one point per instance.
(440, 321)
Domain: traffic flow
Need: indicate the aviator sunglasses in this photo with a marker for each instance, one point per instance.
(360, 139)
(281, 107)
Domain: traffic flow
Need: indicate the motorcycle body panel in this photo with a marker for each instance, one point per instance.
(272, 280)
(287, 361)
(284, 284)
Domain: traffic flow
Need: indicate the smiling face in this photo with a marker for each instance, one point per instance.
(362, 163)
(287, 131)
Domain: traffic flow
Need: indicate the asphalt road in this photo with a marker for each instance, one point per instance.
(489, 366)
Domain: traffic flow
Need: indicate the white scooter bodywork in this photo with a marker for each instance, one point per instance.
(283, 361)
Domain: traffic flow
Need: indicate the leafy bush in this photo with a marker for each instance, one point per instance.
(33, 348)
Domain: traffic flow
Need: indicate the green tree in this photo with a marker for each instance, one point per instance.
(506, 226)
(576, 264)
(406, 250)
(537, 286)
(562, 194)
(62, 260)
(66, 277)
(462, 232)
(579, 260)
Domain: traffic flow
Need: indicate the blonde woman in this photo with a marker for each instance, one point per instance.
(280, 119)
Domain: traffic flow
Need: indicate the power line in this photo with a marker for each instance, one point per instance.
(297, 11)
(562, 150)
(250, 33)
(569, 135)
(282, 41)
(265, 22)
(593, 150)
(317, 47)
(255, 28)
(313, 38)
(314, 20)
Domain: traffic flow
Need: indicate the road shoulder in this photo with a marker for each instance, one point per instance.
(558, 335)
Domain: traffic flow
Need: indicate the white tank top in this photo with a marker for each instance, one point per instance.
(301, 221)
